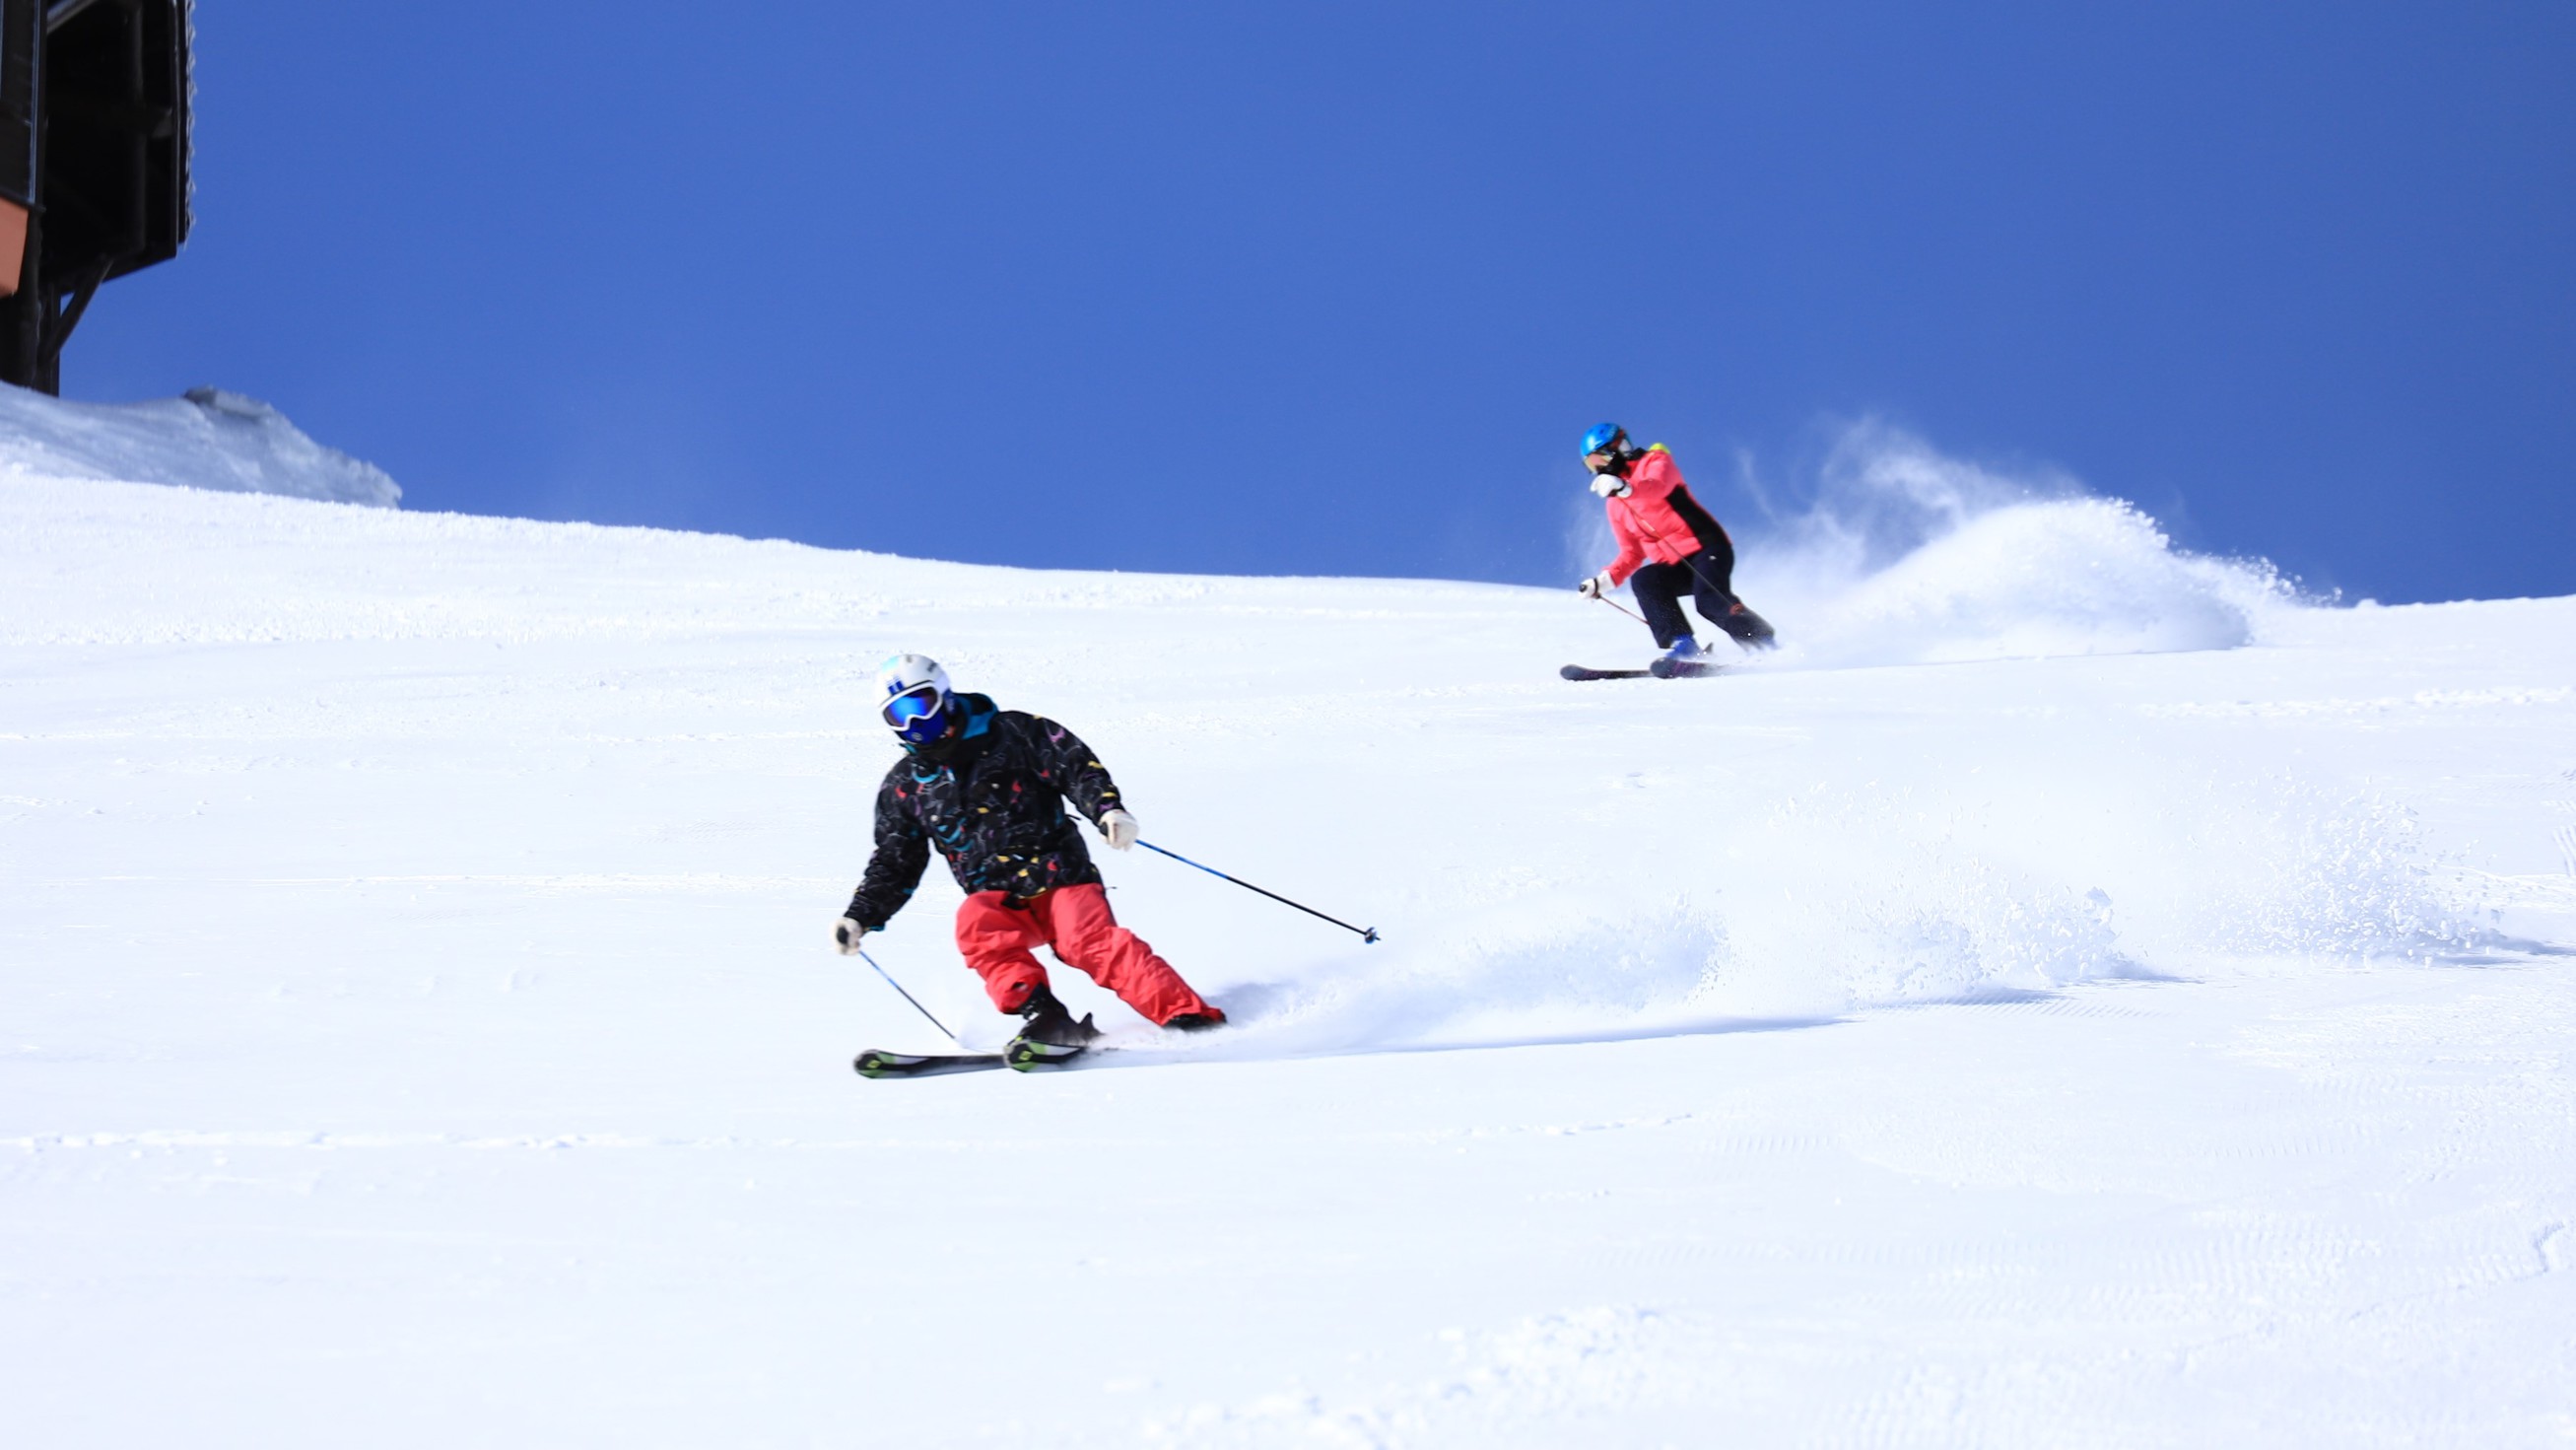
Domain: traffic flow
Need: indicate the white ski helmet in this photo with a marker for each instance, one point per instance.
(912, 697)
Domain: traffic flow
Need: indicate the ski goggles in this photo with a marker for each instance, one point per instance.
(921, 702)
(918, 713)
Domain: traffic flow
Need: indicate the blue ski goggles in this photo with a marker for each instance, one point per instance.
(919, 714)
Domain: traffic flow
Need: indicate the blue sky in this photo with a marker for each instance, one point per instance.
(1332, 288)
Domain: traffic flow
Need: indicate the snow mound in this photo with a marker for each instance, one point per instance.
(209, 439)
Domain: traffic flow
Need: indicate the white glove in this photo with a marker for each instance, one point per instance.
(1596, 586)
(1609, 485)
(846, 933)
(1120, 828)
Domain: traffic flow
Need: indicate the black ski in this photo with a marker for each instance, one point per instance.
(1660, 669)
(877, 1063)
(1020, 1056)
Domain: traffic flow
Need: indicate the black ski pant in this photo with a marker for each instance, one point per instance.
(1707, 577)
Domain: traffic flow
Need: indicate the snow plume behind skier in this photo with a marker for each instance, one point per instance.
(1669, 547)
(987, 788)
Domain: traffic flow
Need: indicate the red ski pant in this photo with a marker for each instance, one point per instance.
(997, 940)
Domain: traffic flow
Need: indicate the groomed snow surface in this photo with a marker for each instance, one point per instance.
(2077, 995)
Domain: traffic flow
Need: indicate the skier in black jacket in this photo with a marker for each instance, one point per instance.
(987, 787)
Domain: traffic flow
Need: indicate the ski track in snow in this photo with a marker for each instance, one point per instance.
(2074, 994)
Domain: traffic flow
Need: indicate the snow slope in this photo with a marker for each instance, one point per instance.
(2077, 995)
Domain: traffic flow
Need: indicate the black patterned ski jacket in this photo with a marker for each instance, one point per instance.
(991, 798)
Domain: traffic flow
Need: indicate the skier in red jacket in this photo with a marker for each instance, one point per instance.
(1668, 546)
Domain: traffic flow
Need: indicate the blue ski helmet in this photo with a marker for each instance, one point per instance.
(1602, 436)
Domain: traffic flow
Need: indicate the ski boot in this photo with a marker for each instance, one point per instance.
(1050, 1036)
(1684, 661)
(1748, 629)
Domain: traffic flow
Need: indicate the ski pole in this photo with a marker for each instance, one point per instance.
(1623, 609)
(1368, 934)
(907, 996)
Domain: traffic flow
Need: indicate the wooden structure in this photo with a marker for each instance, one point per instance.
(94, 152)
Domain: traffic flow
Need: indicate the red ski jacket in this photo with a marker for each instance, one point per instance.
(1657, 518)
